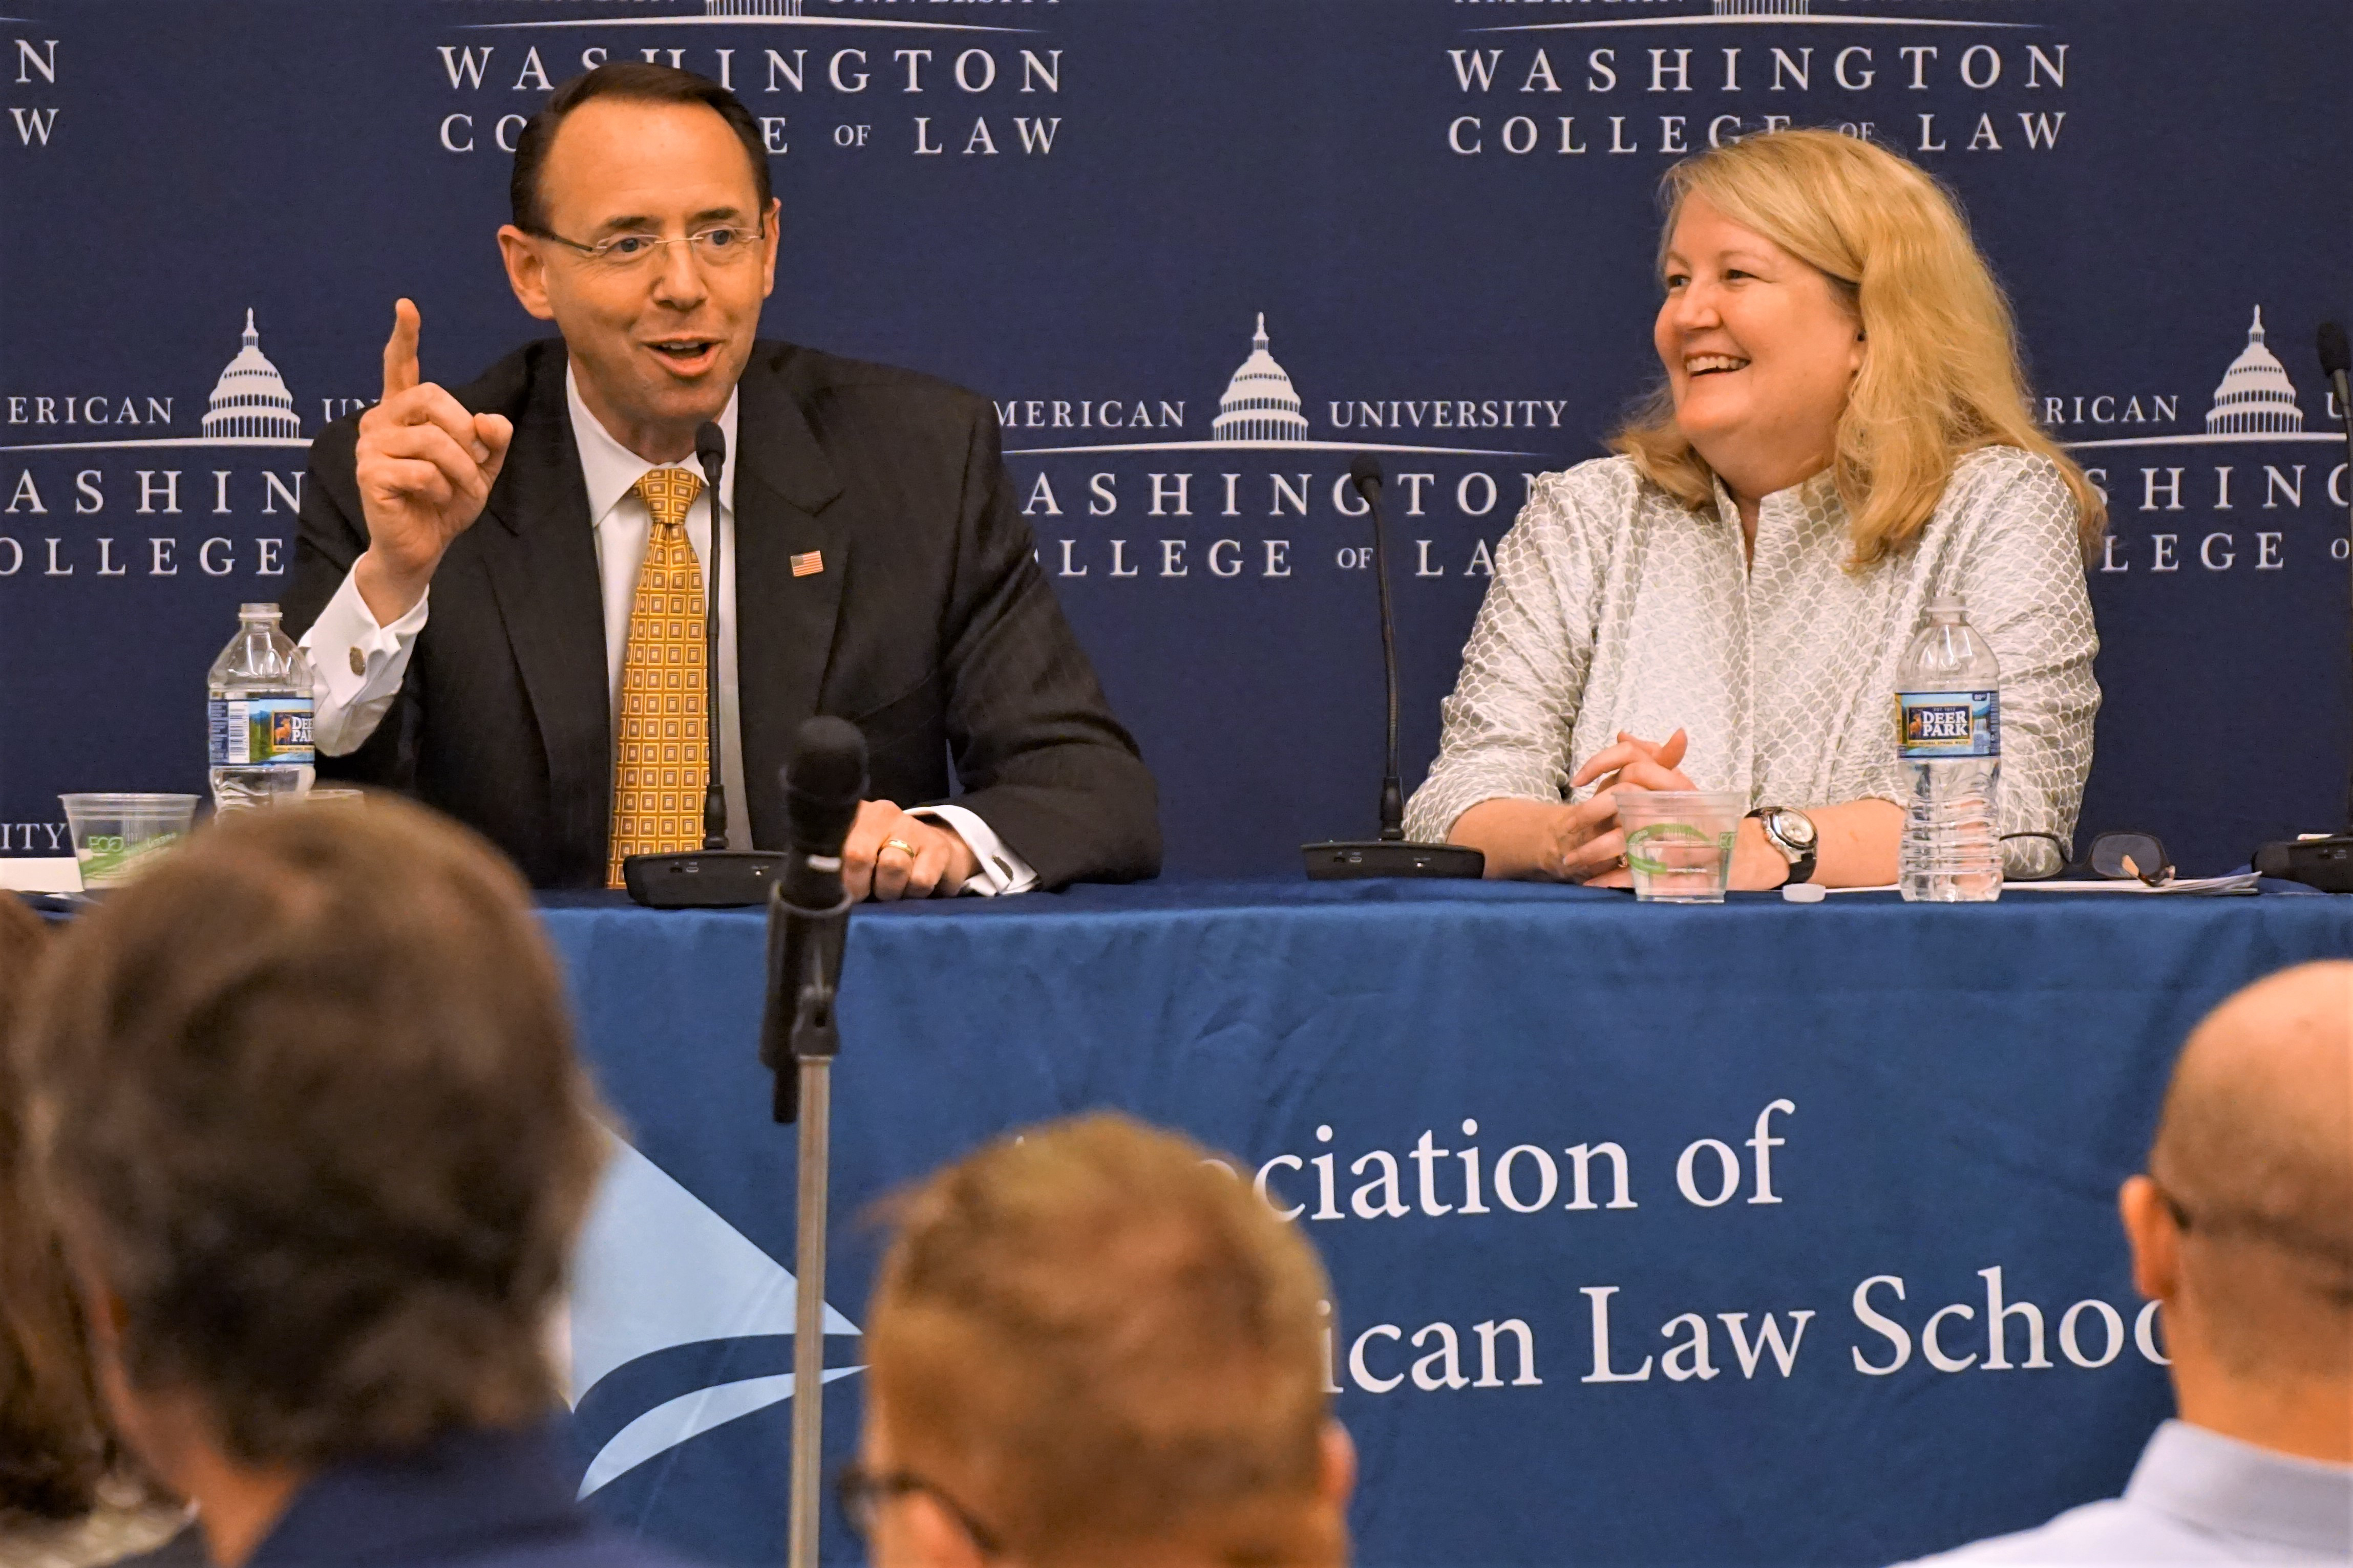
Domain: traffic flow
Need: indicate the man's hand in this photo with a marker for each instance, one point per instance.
(876, 862)
(426, 467)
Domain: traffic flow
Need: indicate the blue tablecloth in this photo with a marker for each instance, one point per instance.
(1709, 1363)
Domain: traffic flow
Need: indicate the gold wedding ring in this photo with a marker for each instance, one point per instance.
(902, 846)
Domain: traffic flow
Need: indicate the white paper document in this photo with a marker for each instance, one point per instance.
(2236, 882)
(50, 874)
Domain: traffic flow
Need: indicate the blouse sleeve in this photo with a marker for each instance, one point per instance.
(2020, 570)
(1505, 732)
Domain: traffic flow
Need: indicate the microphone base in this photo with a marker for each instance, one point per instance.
(2325, 863)
(704, 879)
(1345, 862)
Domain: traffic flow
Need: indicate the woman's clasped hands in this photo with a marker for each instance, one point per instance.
(1587, 844)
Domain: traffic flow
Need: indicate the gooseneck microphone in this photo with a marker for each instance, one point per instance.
(809, 919)
(1364, 473)
(714, 876)
(1391, 855)
(2336, 363)
(711, 451)
(2324, 860)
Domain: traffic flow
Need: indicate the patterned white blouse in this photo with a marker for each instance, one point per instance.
(1615, 607)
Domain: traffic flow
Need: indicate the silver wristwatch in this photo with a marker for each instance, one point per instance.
(1791, 832)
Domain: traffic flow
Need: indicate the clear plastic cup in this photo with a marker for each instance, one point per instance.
(1679, 842)
(115, 837)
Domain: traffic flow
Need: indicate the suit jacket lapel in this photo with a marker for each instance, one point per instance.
(784, 623)
(541, 547)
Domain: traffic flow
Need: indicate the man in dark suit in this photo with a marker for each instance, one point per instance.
(457, 547)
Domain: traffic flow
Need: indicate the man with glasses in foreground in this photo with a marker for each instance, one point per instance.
(2243, 1227)
(1093, 1345)
(502, 588)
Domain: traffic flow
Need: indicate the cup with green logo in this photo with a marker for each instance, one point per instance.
(1679, 842)
(115, 837)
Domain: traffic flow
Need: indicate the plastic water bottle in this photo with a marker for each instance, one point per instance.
(260, 708)
(1949, 717)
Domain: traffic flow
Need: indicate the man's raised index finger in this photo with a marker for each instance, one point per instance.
(400, 371)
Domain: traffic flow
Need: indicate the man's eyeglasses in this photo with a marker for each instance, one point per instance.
(720, 245)
(861, 1493)
(2112, 857)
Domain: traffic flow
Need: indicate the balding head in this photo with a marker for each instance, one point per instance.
(2254, 1149)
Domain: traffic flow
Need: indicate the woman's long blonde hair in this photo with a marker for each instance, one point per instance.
(1941, 373)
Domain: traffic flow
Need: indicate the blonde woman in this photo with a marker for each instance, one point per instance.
(1842, 438)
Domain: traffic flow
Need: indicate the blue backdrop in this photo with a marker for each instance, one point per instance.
(1442, 208)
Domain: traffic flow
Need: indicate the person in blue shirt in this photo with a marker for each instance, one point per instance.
(306, 1102)
(2242, 1228)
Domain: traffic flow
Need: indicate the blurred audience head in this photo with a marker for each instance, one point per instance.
(2243, 1226)
(304, 1100)
(53, 1447)
(1089, 1344)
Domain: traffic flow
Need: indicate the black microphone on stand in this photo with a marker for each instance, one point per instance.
(711, 451)
(715, 877)
(1391, 855)
(2324, 860)
(809, 909)
(808, 917)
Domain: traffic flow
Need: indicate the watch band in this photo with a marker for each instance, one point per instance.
(1802, 860)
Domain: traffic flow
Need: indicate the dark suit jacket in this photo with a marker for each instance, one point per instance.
(470, 1499)
(931, 628)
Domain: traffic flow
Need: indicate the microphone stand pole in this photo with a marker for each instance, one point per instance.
(804, 1090)
(808, 927)
(816, 1073)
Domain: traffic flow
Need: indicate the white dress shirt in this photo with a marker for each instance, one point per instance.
(358, 665)
(2195, 1496)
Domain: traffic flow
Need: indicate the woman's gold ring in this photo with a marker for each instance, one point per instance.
(902, 846)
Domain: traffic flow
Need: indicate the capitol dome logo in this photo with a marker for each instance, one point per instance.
(249, 406)
(1262, 409)
(250, 403)
(2256, 398)
(2254, 402)
(1259, 404)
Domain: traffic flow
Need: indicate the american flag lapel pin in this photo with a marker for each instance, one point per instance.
(808, 564)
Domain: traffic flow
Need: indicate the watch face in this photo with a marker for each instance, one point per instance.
(1794, 828)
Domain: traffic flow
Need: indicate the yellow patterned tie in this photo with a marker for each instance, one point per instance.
(659, 762)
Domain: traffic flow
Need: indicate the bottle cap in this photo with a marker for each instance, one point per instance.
(247, 612)
(1947, 604)
(1804, 893)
